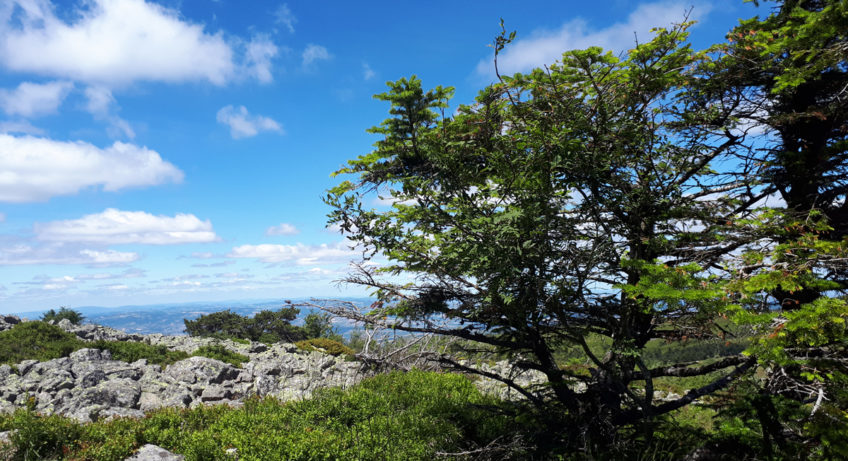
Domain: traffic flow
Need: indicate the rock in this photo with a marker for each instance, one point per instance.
(119, 412)
(152, 452)
(215, 393)
(201, 370)
(5, 437)
(89, 355)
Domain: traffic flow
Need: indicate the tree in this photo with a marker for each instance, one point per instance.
(789, 70)
(572, 202)
(266, 326)
(75, 317)
(320, 325)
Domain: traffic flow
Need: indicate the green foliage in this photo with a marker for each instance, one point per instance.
(320, 325)
(38, 437)
(36, 341)
(395, 416)
(73, 316)
(221, 353)
(266, 326)
(42, 341)
(326, 345)
(129, 351)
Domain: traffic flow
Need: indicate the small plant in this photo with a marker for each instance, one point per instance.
(328, 346)
(221, 353)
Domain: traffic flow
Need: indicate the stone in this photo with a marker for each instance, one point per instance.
(89, 355)
(215, 393)
(201, 370)
(152, 452)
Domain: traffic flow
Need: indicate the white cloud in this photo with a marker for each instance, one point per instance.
(244, 125)
(285, 17)
(113, 227)
(314, 53)
(59, 253)
(546, 46)
(100, 102)
(282, 229)
(304, 255)
(111, 42)
(260, 51)
(35, 169)
(367, 72)
(21, 127)
(34, 99)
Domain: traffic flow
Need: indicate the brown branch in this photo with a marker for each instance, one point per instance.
(683, 369)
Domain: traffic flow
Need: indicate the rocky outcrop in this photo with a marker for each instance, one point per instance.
(89, 384)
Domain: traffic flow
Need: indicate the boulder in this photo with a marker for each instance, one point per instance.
(152, 452)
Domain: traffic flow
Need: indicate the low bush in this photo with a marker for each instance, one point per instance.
(410, 416)
(36, 341)
(129, 351)
(221, 353)
(328, 346)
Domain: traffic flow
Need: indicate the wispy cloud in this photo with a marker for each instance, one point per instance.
(304, 255)
(284, 17)
(367, 72)
(546, 46)
(244, 125)
(314, 53)
(282, 229)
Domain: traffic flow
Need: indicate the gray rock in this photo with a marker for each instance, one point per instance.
(215, 393)
(89, 355)
(201, 370)
(152, 452)
(5, 437)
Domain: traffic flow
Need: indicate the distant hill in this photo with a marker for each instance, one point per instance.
(168, 318)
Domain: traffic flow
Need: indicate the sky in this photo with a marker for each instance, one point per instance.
(178, 150)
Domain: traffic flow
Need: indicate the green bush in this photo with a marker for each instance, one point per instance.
(326, 345)
(409, 416)
(221, 353)
(129, 351)
(36, 341)
(73, 316)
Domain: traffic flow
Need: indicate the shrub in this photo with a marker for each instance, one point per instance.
(221, 353)
(73, 316)
(395, 416)
(325, 345)
(129, 351)
(36, 341)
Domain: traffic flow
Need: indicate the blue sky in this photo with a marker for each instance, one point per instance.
(178, 151)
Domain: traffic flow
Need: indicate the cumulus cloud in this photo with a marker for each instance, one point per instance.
(244, 125)
(304, 255)
(259, 53)
(314, 53)
(22, 253)
(112, 42)
(282, 229)
(285, 17)
(546, 46)
(34, 99)
(113, 227)
(35, 169)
